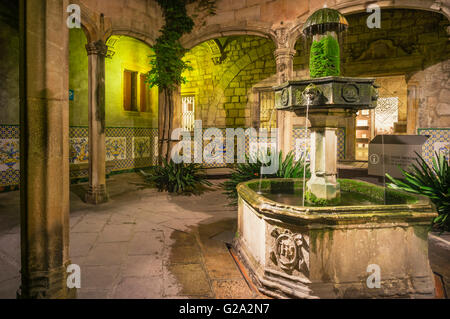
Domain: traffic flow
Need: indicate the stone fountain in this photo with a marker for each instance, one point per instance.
(329, 246)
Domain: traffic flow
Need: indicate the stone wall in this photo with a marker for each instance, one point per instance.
(9, 67)
(221, 83)
(408, 41)
(433, 95)
(126, 53)
(141, 19)
(78, 78)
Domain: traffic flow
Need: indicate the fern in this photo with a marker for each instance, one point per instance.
(432, 181)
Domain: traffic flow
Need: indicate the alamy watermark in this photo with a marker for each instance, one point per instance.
(189, 150)
(74, 277)
(374, 279)
(74, 18)
(374, 20)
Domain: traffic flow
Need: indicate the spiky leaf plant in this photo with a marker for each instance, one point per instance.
(249, 170)
(176, 178)
(432, 181)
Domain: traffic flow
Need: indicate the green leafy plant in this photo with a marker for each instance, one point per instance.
(249, 170)
(324, 57)
(177, 178)
(432, 181)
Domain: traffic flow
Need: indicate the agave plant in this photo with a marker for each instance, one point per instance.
(251, 169)
(432, 181)
(176, 178)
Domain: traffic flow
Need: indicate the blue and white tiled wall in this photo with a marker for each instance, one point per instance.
(126, 148)
(438, 141)
(9, 156)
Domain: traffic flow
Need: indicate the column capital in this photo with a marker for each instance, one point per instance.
(284, 53)
(97, 48)
(284, 38)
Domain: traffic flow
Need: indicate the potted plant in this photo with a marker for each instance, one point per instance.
(433, 181)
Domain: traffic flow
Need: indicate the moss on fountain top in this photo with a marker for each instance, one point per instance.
(324, 58)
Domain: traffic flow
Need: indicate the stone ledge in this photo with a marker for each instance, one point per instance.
(439, 256)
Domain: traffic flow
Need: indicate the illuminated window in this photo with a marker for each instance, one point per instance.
(130, 90)
(188, 109)
(362, 123)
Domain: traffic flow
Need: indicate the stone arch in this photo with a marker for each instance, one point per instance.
(217, 102)
(212, 32)
(101, 27)
(145, 38)
(89, 23)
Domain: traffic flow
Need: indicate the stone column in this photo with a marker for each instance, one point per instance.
(284, 58)
(323, 183)
(97, 152)
(44, 149)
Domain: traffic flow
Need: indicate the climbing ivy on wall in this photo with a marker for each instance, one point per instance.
(324, 58)
(167, 63)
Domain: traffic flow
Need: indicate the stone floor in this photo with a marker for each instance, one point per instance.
(141, 244)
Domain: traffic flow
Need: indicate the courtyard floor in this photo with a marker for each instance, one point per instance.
(141, 244)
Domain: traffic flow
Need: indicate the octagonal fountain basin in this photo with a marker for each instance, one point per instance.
(362, 248)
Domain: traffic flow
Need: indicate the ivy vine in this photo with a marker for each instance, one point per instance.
(167, 65)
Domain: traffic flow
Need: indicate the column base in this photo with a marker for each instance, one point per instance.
(50, 284)
(96, 195)
(320, 188)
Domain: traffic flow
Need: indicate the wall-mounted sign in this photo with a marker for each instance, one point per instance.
(391, 153)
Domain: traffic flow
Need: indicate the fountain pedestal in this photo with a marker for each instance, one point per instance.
(323, 183)
(325, 102)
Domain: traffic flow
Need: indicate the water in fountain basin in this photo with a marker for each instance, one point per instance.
(297, 199)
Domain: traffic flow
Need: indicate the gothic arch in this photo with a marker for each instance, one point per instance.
(216, 31)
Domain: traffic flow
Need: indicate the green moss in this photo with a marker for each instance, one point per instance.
(324, 58)
(312, 200)
(317, 235)
(377, 192)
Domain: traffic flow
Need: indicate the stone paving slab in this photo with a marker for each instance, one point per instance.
(192, 278)
(141, 244)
